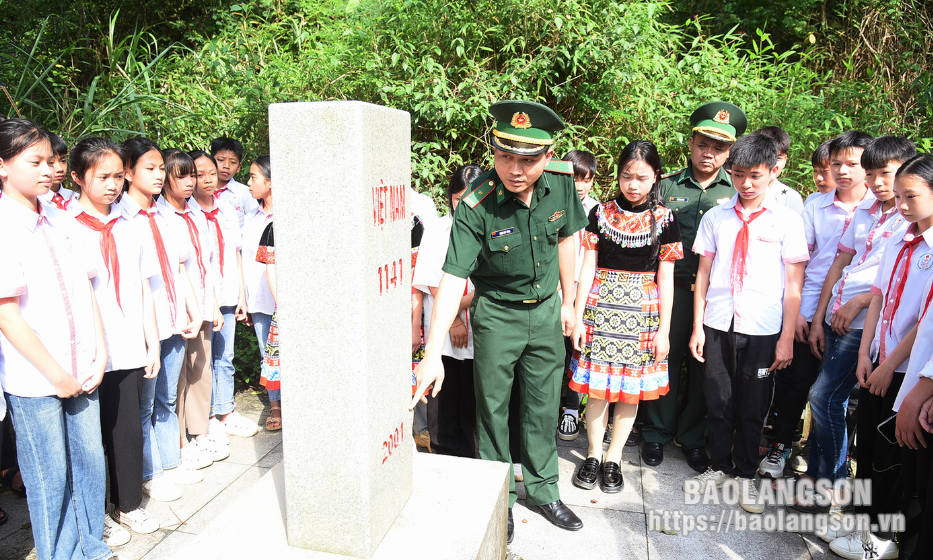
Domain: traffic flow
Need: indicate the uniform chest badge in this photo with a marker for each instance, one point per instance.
(502, 232)
(679, 199)
(556, 216)
(926, 261)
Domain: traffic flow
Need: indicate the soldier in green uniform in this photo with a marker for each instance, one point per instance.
(513, 236)
(690, 193)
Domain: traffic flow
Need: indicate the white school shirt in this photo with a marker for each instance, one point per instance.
(422, 206)
(170, 320)
(202, 275)
(227, 280)
(258, 295)
(237, 195)
(823, 223)
(123, 322)
(775, 239)
(431, 256)
(905, 317)
(810, 198)
(921, 354)
(67, 194)
(865, 239)
(787, 196)
(50, 275)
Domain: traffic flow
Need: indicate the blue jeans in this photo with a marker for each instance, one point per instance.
(161, 439)
(262, 322)
(58, 443)
(222, 348)
(829, 398)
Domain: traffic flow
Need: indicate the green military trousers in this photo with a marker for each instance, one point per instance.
(523, 343)
(662, 421)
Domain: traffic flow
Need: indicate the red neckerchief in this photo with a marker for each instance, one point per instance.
(108, 247)
(212, 217)
(196, 241)
(219, 190)
(890, 306)
(168, 277)
(740, 253)
(59, 201)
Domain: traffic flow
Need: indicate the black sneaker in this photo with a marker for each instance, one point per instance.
(568, 429)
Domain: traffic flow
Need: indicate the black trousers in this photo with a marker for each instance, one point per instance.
(792, 389)
(122, 432)
(452, 415)
(917, 539)
(738, 390)
(879, 460)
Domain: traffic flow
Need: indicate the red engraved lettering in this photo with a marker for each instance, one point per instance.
(380, 280)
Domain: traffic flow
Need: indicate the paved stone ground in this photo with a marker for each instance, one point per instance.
(616, 525)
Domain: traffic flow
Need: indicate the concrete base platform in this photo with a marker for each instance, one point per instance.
(458, 511)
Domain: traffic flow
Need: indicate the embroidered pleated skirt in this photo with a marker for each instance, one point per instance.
(621, 319)
(270, 376)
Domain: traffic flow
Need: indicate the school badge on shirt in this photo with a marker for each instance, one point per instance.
(926, 261)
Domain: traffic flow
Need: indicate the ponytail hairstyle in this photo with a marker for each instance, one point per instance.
(265, 165)
(642, 150)
(920, 166)
(178, 164)
(89, 152)
(18, 135)
(461, 181)
(134, 149)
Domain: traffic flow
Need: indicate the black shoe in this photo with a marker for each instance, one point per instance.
(652, 453)
(634, 438)
(510, 531)
(586, 475)
(610, 478)
(560, 515)
(697, 459)
(568, 429)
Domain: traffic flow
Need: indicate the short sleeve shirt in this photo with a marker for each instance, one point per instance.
(622, 236)
(237, 195)
(690, 202)
(921, 354)
(227, 280)
(258, 295)
(509, 249)
(787, 196)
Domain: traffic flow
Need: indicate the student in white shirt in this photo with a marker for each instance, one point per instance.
(54, 354)
(228, 153)
(824, 221)
(178, 319)
(887, 340)
(223, 224)
(124, 265)
(58, 196)
(451, 418)
(195, 382)
(782, 193)
(836, 330)
(752, 253)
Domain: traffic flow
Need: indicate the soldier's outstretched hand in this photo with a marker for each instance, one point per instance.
(429, 371)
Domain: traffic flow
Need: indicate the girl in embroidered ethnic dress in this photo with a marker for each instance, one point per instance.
(623, 309)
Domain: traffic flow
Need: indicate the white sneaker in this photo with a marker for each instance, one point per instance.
(182, 475)
(161, 489)
(832, 533)
(139, 520)
(217, 449)
(749, 499)
(237, 425)
(194, 457)
(215, 430)
(862, 545)
(114, 534)
(704, 478)
(773, 463)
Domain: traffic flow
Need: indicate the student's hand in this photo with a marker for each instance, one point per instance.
(429, 371)
(458, 335)
(567, 318)
(92, 380)
(415, 336)
(817, 339)
(661, 346)
(843, 317)
(67, 387)
(802, 332)
(697, 340)
(153, 362)
(191, 329)
(863, 370)
(880, 379)
(909, 432)
(218, 322)
(926, 415)
(241, 312)
(578, 336)
(248, 321)
(783, 354)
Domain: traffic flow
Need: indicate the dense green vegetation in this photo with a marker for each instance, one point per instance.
(183, 72)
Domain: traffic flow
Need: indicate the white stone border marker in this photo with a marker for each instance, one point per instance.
(341, 173)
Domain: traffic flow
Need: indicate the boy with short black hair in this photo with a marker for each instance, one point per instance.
(822, 178)
(584, 173)
(782, 193)
(58, 196)
(752, 253)
(228, 153)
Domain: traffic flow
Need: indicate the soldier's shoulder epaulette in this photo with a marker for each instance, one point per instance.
(483, 185)
(672, 173)
(560, 166)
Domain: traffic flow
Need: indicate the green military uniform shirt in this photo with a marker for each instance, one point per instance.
(682, 193)
(509, 249)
